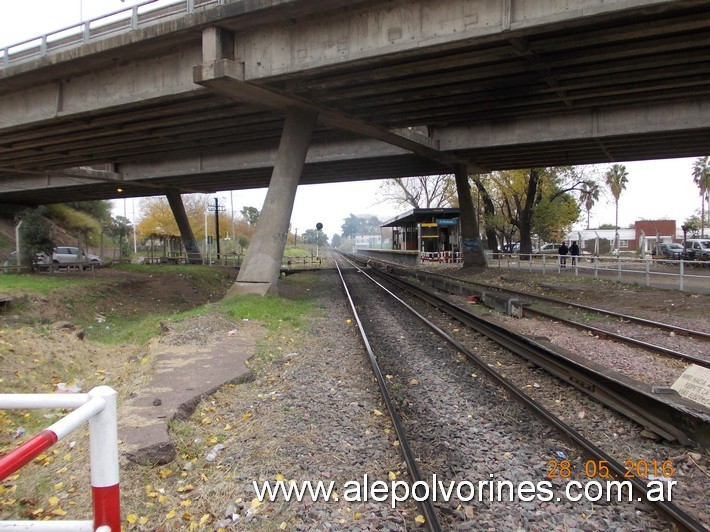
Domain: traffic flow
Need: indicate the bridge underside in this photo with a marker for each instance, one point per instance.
(343, 158)
(401, 88)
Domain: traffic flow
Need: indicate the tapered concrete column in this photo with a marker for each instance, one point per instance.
(262, 264)
(188, 238)
(473, 254)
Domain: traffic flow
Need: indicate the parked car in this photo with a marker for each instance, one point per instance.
(40, 258)
(511, 248)
(698, 248)
(549, 249)
(671, 251)
(70, 255)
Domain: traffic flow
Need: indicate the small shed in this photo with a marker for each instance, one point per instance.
(431, 231)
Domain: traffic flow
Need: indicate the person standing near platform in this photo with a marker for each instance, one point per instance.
(574, 251)
(563, 255)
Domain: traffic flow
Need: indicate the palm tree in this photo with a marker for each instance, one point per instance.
(616, 179)
(701, 177)
(589, 195)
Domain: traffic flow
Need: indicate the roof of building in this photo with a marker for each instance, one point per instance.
(421, 215)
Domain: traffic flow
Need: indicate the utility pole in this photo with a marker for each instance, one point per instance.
(217, 207)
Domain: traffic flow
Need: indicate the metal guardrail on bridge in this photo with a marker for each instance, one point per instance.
(122, 20)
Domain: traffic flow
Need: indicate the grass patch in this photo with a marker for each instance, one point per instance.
(40, 284)
(295, 251)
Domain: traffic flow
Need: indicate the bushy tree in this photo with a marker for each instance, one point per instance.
(99, 210)
(538, 201)
(251, 215)
(119, 228)
(35, 235)
(311, 236)
(360, 225)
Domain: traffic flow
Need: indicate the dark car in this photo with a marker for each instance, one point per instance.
(668, 251)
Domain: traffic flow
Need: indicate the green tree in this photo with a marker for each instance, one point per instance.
(119, 228)
(336, 241)
(360, 225)
(313, 237)
(35, 235)
(251, 215)
(701, 177)
(616, 179)
(538, 201)
(100, 209)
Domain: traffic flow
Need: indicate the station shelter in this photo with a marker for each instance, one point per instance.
(435, 233)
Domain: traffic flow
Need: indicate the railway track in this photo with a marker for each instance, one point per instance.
(622, 317)
(597, 455)
(461, 287)
(603, 333)
(674, 420)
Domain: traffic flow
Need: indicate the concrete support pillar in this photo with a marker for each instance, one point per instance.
(262, 264)
(188, 238)
(473, 254)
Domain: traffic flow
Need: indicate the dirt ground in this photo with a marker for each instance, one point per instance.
(111, 295)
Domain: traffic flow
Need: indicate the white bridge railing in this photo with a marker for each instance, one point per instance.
(98, 407)
(122, 20)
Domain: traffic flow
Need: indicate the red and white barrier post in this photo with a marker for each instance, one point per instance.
(98, 407)
(103, 451)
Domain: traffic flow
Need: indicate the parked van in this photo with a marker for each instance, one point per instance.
(698, 248)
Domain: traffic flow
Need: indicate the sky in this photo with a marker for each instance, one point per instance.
(661, 189)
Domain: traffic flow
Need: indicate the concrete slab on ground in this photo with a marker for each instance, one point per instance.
(182, 378)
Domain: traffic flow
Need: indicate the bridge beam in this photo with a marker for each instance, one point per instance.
(188, 238)
(262, 265)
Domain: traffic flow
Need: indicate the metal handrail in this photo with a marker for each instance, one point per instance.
(83, 34)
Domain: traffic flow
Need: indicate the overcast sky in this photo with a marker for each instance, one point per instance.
(656, 189)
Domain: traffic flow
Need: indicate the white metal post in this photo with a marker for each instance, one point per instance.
(103, 452)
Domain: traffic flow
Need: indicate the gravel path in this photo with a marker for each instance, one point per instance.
(313, 414)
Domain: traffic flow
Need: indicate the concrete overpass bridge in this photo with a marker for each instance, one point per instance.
(207, 95)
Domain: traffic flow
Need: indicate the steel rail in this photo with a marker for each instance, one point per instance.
(670, 421)
(680, 518)
(621, 338)
(636, 319)
(427, 507)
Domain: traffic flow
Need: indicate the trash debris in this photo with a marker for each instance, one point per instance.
(73, 387)
(560, 454)
(19, 432)
(211, 455)
(232, 332)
